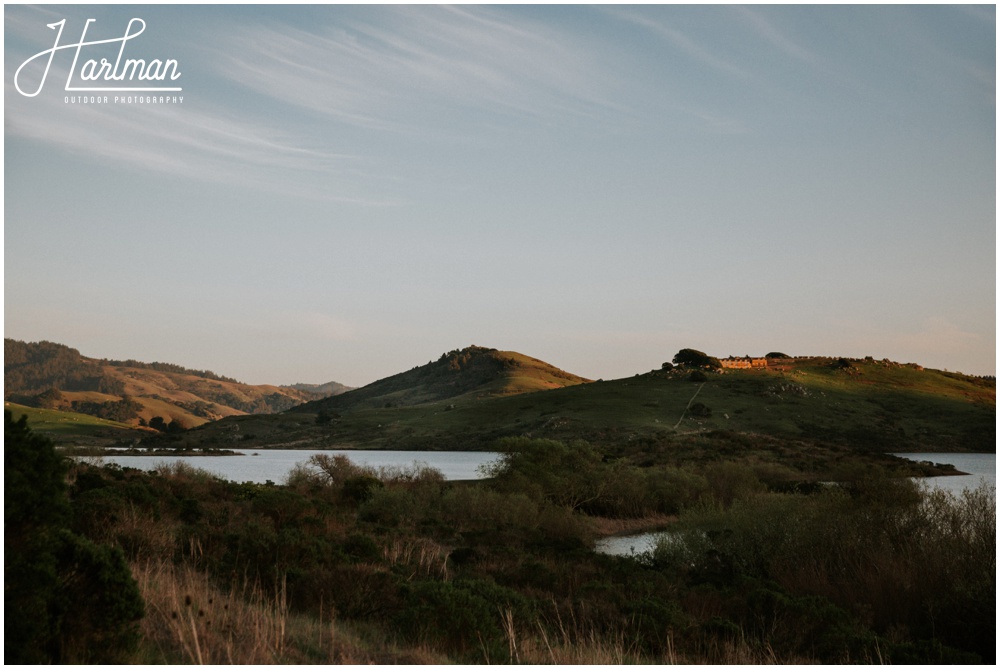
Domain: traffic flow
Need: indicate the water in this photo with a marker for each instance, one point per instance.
(979, 467)
(259, 466)
(629, 545)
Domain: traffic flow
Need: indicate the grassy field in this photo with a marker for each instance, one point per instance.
(55, 424)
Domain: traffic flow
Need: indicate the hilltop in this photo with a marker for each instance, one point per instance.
(826, 406)
(470, 373)
(48, 375)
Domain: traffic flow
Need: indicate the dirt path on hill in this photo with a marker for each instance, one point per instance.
(691, 401)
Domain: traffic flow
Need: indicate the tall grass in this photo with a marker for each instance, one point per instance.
(189, 620)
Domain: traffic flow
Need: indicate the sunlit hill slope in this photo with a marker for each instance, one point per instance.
(470, 398)
(53, 376)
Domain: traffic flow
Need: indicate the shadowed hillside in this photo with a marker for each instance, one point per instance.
(469, 399)
(473, 372)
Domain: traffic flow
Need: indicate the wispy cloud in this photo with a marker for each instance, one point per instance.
(419, 69)
(454, 74)
(212, 145)
(682, 42)
(775, 37)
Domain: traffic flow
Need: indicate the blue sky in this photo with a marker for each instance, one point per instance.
(349, 191)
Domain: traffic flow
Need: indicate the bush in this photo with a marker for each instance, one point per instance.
(689, 357)
(67, 600)
(99, 604)
(462, 617)
(867, 549)
(699, 410)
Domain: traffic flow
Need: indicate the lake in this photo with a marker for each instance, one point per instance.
(979, 467)
(260, 466)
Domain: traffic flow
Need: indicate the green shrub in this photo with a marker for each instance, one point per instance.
(99, 605)
(462, 617)
(360, 489)
(66, 598)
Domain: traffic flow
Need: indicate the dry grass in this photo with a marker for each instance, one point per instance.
(191, 621)
(606, 527)
(424, 556)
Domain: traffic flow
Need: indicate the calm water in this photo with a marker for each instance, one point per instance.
(980, 467)
(260, 466)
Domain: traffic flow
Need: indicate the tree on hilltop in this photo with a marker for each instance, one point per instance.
(689, 357)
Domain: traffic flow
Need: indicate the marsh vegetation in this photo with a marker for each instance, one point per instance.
(343, 563)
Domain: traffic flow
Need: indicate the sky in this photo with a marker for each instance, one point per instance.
(347, 192)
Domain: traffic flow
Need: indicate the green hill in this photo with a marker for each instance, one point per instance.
(471, 373)
(806, 403)
(66, 426)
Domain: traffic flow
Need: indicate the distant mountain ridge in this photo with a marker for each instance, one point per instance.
(475, 372)
(54, 376)
(327, 389)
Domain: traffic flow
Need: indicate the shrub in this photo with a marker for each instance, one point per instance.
(66, 599)
(689, 357)
(699, 410)
(462, 617)
(360, 489)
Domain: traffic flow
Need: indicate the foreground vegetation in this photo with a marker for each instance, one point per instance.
(344, 564)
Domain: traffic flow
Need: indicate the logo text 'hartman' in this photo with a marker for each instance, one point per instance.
(123, 69)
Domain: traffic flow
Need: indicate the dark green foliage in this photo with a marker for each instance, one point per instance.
(462, 617)
(566, 474)
(841, 363)
(66, 598)
(123, 410)
(34, 491)
(578, 477)
(170, 368)
(689, 357)
(33, 367)
(98, 605)
(828, 577)
(360, 489)
(697, 376)
(699, 410)
(828, 566)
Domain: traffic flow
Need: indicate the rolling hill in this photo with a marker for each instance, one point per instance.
(60, 425)
(471, 373)
(841, 406)
(54, 376)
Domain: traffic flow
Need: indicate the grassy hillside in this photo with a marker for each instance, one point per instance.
(812, 409)
(174, 393)
(471, 373)
(65, 426)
